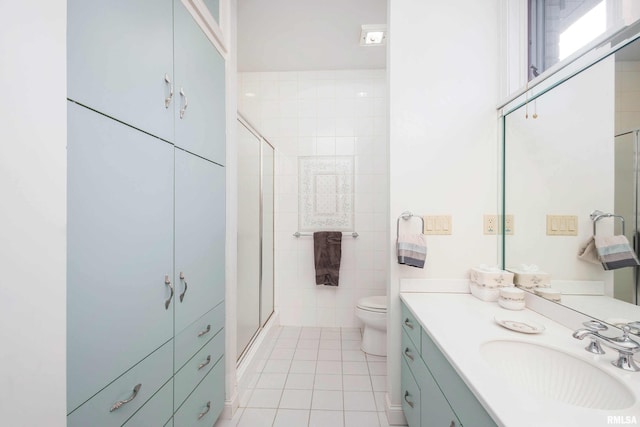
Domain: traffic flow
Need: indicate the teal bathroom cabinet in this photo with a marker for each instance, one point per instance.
(433, 394)
(146, 218)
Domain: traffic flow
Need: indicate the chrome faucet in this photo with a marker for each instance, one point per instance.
(625, 346)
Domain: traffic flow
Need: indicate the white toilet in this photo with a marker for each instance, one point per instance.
(373, 313)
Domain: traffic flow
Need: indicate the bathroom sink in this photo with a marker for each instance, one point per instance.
(553, 374)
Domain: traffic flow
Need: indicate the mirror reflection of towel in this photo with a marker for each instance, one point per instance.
(612, 252)
(327, 250)
(615, 252)
(588, 251)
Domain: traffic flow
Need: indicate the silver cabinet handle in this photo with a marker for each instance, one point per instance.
(168, 283)
(206, 331)
(119, 404)
(185, 286)
(203, 413)
(167, 100)
(406, 353)
(408, 323)
(406, 394)
(186, 103)
(205, 363)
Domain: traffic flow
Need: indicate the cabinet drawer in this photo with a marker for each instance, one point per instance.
(151, 374)
(196, 335)
(410, 397)
(157, 411)
(197, 367)
(462, 400)
(206, 402)
(413, 360)
(411, 326)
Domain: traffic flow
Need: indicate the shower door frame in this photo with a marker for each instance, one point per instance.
(261, 323)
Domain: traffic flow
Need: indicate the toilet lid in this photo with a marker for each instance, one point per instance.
(376, 303)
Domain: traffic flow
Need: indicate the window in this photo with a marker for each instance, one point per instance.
(558, 28)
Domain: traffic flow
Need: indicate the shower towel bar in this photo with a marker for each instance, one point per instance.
(353, 234)
(598, 215)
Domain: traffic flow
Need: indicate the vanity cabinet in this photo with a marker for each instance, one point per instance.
(146, 220)
(429, 382)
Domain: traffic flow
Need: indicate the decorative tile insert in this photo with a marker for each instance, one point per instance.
(325, 193)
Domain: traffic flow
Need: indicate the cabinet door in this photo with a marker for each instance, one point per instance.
(199, 237)
(435, 410)
(200, 75)
(118, 53)
(119, 249)
(466, 406)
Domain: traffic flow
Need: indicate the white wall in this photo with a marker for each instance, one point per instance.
(33, 213)
(443, 91)
(324, 113)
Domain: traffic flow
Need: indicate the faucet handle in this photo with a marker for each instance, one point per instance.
(635, 327)
(595, 325)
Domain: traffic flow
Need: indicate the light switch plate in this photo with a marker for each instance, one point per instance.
(437, 224)
(562, 225)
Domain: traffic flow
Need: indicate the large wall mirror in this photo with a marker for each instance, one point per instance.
(569, 151)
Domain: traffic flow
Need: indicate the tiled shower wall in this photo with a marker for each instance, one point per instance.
(324, 113)
(627, 95)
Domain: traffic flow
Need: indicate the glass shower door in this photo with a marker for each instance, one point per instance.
(248, 276)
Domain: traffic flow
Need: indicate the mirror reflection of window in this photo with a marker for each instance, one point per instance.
(559, 28)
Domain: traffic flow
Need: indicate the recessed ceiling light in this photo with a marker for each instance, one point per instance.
(373, 35)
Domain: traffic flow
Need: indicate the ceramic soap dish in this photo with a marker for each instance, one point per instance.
(522, 326)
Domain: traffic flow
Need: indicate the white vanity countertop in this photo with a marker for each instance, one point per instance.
(460, 323)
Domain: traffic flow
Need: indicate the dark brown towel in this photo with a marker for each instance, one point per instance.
(327, 249)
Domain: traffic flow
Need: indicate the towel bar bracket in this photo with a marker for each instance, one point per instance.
(597, 215)
(406, 215)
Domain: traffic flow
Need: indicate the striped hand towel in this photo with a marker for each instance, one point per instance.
(615, 252)
(412, 250)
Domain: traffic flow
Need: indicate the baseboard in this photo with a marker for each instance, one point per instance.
(395, 414)
(230, 407)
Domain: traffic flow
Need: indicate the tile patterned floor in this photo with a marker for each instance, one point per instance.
(314, 377)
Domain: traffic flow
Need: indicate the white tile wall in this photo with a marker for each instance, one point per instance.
(324, 113)
(627, 95)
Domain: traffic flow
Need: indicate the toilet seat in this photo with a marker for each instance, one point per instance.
(376, 304)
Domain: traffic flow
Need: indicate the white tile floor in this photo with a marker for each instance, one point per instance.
(314, 377)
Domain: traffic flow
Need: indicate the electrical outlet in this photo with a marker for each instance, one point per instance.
(490, 224)
(508, 224)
